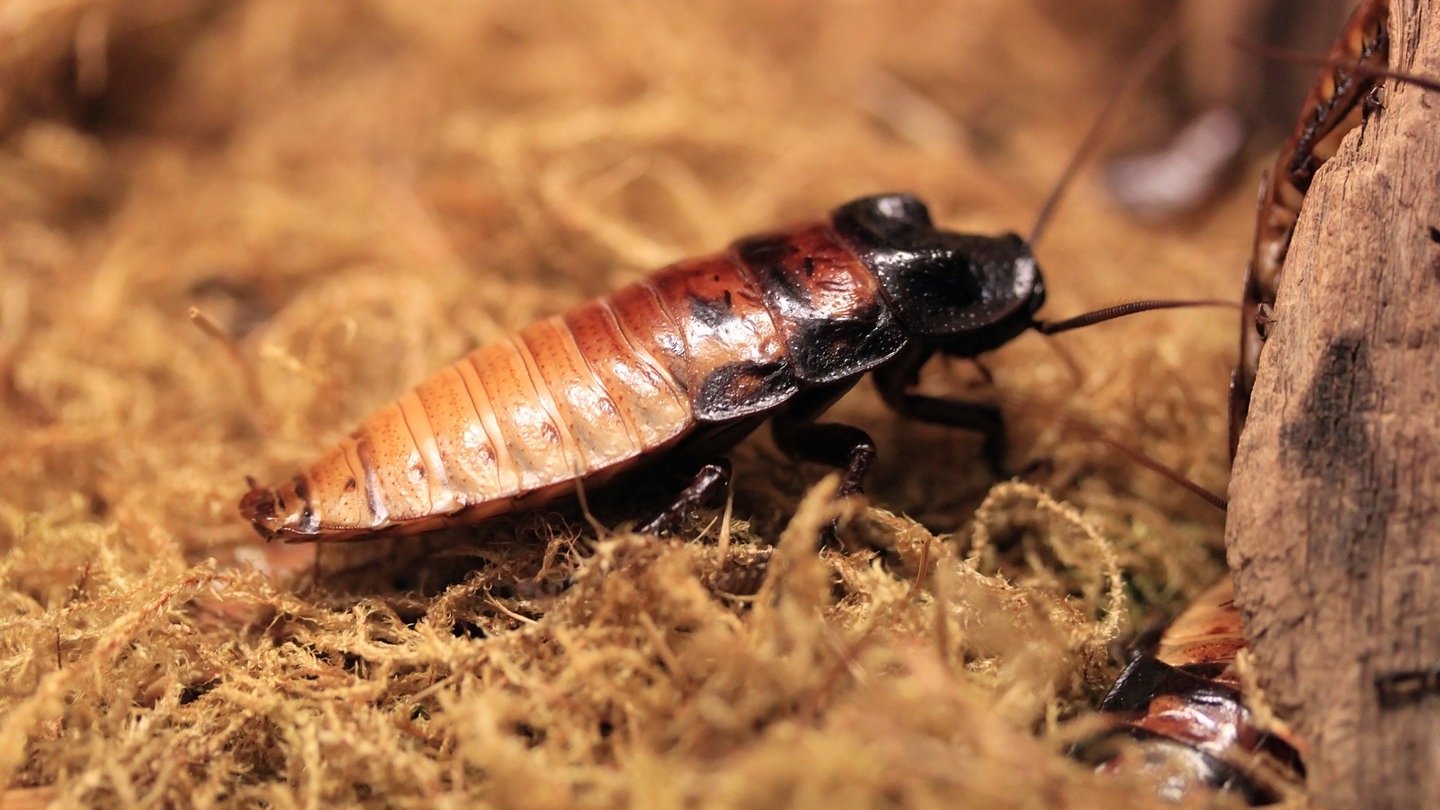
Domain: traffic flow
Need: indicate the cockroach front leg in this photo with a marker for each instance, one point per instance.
(896, 381)
(712, 480)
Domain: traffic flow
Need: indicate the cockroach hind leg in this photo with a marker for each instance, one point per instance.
(709, 482)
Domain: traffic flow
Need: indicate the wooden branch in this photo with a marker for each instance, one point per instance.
(1334, 521)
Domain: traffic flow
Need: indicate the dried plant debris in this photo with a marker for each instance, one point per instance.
(347, 196)
(638, 681)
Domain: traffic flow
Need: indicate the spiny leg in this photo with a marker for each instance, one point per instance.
(712, 480)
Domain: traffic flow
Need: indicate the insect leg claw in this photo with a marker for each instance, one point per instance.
(713, 479)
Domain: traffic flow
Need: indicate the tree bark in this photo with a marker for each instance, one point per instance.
(1334, 520)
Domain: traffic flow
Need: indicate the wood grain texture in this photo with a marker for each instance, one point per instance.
(1334, 522)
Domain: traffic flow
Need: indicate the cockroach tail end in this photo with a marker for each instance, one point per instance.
(266, 509)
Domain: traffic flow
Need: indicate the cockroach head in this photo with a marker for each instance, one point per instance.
(965, 294)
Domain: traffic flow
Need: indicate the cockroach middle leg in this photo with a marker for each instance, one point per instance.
(844, 447)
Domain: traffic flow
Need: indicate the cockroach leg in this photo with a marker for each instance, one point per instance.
(976, 416)
(894, 383)
(986, 375)
(834, 445)
(1264, 320)
(709, 482)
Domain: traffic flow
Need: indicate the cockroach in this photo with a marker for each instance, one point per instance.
(1335, 105)
(1182, 708)
(683, 364)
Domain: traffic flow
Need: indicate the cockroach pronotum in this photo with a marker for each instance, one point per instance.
(685, 363)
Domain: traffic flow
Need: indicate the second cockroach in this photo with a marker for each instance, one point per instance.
(1182, 704)
(1183, 711)
(1335, 105)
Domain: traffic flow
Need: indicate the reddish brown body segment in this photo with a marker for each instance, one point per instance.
(1335, 106)
(703, 348)
(1182, 707)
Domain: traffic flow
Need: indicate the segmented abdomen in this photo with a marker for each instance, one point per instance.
(586, 395)
(562, 399)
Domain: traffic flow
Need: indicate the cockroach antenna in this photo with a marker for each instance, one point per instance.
(1145, 63)
(1174, 476)
(1346, 64)
(232, 349)
(1121, 310)
(1160, 44)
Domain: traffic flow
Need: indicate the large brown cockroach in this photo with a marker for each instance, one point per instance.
(684, 363)
(1336, 104)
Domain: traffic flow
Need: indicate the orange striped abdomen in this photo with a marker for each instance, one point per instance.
(515, 423)
(701, 350)
(565, 398)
